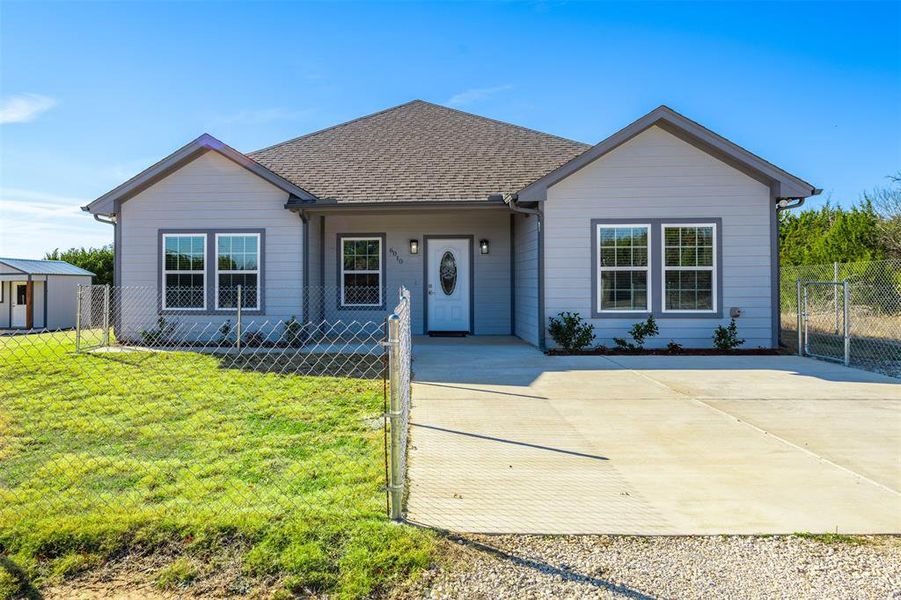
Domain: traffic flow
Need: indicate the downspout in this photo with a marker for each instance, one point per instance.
(510, 200)
(305, 280)
(100, 219)
(117, 258)
(782, 203)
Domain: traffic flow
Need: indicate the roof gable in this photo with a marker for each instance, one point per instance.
(784, 184)
(417, 152)
(106, 204)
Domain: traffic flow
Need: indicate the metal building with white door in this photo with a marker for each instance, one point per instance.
(39, 294)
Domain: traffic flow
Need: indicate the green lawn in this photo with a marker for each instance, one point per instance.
(106, 454)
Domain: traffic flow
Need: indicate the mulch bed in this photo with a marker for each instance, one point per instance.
(664, 352)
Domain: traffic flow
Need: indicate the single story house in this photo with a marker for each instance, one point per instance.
(493, 227)
(39, 294)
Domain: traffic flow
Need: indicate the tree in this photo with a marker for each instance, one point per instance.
(96, 260)
(830, 234)
(886, 202)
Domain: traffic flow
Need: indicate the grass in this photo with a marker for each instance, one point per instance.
(106, 454)
(832, 538)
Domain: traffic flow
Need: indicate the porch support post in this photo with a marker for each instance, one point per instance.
(29, 303)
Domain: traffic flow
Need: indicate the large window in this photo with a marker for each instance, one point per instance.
(237, 264)
(689, 268)
(623, 268)
(184, 271)
(361, 271)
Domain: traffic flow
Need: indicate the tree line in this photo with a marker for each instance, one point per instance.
(868, 230)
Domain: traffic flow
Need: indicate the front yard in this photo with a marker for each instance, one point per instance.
(252, 480)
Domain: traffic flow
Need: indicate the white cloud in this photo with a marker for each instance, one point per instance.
(36, 222)
(23, 108)
(476, 94)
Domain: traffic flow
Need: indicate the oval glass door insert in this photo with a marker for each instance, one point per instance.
(448, 273)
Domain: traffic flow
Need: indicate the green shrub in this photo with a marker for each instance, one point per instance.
(158, 336)
(292, 335)
(640, 332)
(674, 347)
(225, 331)
(570, 331)
(726, 338)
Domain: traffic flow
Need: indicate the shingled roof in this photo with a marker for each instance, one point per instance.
(417, 152)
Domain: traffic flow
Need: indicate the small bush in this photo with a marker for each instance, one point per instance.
(570, 331)
(225, 331)
(726, 338)
(158, 336)
(674, 347)
(640, 332)
(254, 339)
(293, 332)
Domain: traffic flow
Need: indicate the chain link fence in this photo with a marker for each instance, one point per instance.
(819, 307)
(400, 361)
(148, 416)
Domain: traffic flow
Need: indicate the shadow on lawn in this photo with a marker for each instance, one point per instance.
(25, 589)
(353, 365)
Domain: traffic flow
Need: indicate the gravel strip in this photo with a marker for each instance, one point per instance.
(665, 567)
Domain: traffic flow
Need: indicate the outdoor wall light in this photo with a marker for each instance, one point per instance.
(483, 246)
(414, 246)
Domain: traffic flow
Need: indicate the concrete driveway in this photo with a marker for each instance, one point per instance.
(508, 440)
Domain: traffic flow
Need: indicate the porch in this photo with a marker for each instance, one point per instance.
(463, 266)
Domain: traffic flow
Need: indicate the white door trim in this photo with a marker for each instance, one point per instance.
(17, 312)
(425, 278)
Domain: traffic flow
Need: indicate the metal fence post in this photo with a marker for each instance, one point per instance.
(806, 324)
(800, 318)
(78, 319)
(846, 294)
(238, 319)
(106, 291)
(835, 294)
(395, 483)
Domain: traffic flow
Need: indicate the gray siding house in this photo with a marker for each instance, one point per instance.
(493, 227)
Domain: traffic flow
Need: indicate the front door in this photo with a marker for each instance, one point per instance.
(448, 284)
(19, 297)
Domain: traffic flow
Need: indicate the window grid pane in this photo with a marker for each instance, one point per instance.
(623, 258)
(238, 252)
(361, 265)
(688, 258)
(184, 264)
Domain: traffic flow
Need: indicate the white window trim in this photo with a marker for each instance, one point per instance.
(599, 269)
(237, 272)
(344, 271)
(176, 272)
(712, 268)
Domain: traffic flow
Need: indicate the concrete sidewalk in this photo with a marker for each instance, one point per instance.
(506, 439)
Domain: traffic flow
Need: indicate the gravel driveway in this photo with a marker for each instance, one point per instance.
(665, 567)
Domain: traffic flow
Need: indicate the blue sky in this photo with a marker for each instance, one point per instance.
(93, 93)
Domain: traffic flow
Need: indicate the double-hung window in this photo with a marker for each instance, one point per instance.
(689, 268)
(623, 260)
(361, 271)
(184, 271)
(237, 264)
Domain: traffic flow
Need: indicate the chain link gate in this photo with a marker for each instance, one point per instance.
(824, 323)
(92, 317)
